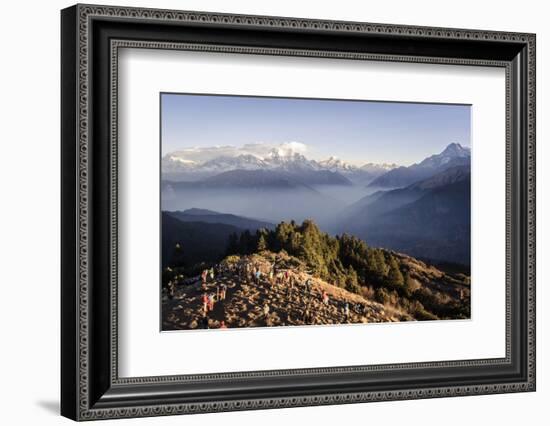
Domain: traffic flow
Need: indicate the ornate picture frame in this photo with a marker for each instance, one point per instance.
(91, 37)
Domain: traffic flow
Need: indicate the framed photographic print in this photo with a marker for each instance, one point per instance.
(263, 212)
(259, 234)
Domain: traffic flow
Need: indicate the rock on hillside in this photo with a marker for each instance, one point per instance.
(244, 305)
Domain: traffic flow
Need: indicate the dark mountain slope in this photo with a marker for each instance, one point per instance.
(199, 241)
(380, 202)
(429, 218)
(209, 216)
(436, 226)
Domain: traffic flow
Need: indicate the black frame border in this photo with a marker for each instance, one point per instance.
(90, 387)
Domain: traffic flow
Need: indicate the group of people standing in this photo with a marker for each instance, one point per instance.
(250, 272)
(272, 274)
(247, 271)
(209, 299)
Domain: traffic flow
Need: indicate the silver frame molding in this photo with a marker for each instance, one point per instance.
(91, 388)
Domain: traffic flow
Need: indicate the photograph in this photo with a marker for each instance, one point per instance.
(298, 212)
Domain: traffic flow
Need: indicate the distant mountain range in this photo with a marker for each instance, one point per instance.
(266, 179)
(453, 155)
(289, 165)
(276, 178)
(177, 167)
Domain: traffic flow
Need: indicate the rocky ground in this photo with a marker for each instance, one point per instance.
(246, 300)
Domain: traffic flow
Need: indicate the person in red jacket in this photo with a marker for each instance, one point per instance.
(204, 300)
(325, 297)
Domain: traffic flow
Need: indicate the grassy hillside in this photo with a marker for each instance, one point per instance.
(343, 266)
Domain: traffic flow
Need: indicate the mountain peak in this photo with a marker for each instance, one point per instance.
(452, 153)
(379, 166)
(335, 164)
(456, 150)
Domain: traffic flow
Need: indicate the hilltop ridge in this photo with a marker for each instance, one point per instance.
(298, 299)
(290, 303)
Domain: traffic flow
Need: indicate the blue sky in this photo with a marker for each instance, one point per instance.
(358, 132)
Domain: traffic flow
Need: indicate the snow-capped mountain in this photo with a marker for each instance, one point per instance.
(225, 163)
(453, 155)
(378, 168)
(335, 164)
(451, 152)
(194, 164)
(293, 161)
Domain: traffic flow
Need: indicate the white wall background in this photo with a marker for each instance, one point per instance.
(29, 213)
